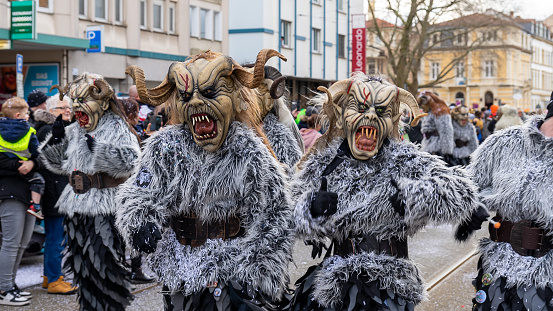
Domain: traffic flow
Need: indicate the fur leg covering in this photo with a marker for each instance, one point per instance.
(95, 256)
(364, 281)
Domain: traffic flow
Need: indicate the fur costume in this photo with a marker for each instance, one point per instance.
(437, 127)
(283, 141)
(464, 136)
(508, 117)
(426, 188)
(209, 170)
(95, 249)
(513, 170)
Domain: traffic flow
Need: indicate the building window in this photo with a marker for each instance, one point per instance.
(316, 36)
(206, 24)
(100, 9)
(488, 69)
(171, 18)
(143, 14)
(119, 11)
(83, 12)
(286, 29)
(341, 46)
(434, 71)
(46, 6)
(218, 26)
(341, 5)
(490, 35)
(460, 70)
(194, 21)
(435, 38)
(203, 16)
(158, 16)
(371, 63)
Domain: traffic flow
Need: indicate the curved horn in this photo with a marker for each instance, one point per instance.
(278, 86)
(410, 100)
(100, 90)
(252, 80)
(155, 96)
(61, 91)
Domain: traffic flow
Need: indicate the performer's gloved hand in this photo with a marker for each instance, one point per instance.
(474, 223)
(325, 202)
(317, 249)
(90, 142)
(58, 131)
(396, 202)
(145, 239)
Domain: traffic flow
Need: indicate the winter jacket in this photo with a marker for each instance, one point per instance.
(12, 185)
(55, 183)
(13, 131)
(309, 136)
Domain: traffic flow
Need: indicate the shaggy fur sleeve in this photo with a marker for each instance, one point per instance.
(148, 193)
(483, 160)
(267, 245)
(445, 129)
(53, 156)
(118, 156)
(438, 194)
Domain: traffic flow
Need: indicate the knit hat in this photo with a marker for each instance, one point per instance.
(36, 98)
(550, 108)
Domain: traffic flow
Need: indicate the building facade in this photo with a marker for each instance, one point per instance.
(314, 36)
(148, 33)
(496, 70)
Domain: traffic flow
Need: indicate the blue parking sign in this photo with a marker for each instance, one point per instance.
(95, 35)
(19, 63)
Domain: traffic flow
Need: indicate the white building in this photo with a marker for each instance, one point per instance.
(542, 64)
(148, 33)
(314, 35)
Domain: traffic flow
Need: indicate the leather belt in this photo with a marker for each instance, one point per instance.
(460, 143)
(431, 133)
(525, 238)
(394, 247)
(192, 231)
(81, 182)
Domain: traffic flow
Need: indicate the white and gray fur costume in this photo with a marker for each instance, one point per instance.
(241, 178)
(95, 248)
(430, 191)
(513, 169)
(442, 144)
(465, 133)
(283, 140)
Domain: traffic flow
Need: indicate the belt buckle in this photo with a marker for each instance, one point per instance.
(80, 182)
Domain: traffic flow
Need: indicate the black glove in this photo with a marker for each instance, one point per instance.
(90, 142)
(58, 131)
(474, 223)
(145, 239)
(325, 202)
(317, 249)
(396, 202)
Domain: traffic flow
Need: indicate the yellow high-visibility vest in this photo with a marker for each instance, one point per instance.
(20, 148)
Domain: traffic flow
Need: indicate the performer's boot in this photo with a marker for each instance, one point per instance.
(137, 275)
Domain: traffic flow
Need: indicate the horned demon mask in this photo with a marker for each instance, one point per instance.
(207, 93)
(368, 111)
(91, 96)
(430, 102)
(461, 115)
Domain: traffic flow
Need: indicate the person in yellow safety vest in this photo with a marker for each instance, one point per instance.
(18, 153)
(19, 142)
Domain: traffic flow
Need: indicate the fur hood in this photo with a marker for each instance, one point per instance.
(509, 117)
(115, 152)
(44, 116)
(177, 177)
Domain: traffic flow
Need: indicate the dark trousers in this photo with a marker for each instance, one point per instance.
(53, 247)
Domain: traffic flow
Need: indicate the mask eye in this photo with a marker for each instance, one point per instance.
(185, 96)
(209, 93)
(80, 100)
(380, 109)
(363, 107)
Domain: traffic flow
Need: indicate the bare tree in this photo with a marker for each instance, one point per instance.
(420, 28)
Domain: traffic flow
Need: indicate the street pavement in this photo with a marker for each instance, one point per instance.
(433, 249)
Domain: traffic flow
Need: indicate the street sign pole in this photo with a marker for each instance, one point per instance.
(19, 75)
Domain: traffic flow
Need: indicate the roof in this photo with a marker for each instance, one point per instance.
(381, 23)
(481, 19)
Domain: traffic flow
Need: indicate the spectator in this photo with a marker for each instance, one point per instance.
(311, 133)
(17, 224)
(478, 124)
(36, 101)
(144, 108)
(508, 116)
(53, 279)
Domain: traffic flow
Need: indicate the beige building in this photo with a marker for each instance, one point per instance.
(148, 33)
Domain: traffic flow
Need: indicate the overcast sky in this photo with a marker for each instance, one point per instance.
(536, 9)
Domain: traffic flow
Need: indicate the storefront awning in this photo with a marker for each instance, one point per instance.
(45, 42)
